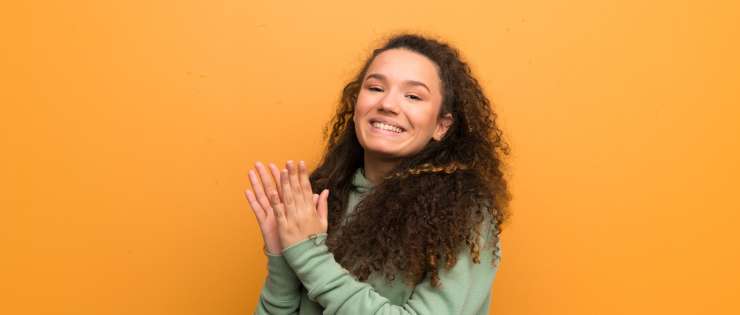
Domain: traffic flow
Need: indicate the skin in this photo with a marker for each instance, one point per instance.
(389, 92)
(401, 87)
(286, 211)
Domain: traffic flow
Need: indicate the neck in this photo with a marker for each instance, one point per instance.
(376, 168)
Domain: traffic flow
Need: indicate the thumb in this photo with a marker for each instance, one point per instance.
(323, 207)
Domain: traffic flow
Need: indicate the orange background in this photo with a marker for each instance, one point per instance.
(128, 129)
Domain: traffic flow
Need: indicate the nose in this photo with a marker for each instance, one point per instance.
(388, 104)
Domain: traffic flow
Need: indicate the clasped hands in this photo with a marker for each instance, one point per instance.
(286, 209)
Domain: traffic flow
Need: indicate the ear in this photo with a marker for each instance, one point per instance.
(443, 124)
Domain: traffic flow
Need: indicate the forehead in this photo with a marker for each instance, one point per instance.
(403, 64)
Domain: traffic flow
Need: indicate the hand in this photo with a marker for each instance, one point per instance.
(296, 214)
(264, 186)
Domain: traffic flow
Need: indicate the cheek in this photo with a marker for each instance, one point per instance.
(422, 118)
(363, 104)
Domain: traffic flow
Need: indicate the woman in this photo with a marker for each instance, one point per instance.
(412, 195)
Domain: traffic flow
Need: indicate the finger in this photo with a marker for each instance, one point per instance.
(259, 212)
(259, 191)
(277, 206)
(304, 181)
(323, 207)
(276, 173)
(289, 201)
(273, 196)
(295, 185)
(268, 187)
(279, 213)
(316, 200)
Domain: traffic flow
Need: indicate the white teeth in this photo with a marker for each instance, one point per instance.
(383, 126)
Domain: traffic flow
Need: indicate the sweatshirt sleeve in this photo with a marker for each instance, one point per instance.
(465, 288)
(281, 293)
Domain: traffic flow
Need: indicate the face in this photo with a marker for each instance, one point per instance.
(398, 106)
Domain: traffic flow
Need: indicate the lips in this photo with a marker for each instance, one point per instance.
(387, 122)
(384, 129)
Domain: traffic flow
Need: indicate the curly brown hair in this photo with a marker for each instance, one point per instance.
(431, 203)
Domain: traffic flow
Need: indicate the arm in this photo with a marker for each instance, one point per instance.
(281, 293)
(465, 287)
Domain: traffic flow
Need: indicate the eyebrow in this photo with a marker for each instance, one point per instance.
(409, 82)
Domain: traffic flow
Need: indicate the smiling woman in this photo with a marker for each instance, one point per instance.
(412, 195)
(398, 107)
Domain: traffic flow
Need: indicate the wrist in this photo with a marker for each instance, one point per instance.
(315, 238)
(271, 252)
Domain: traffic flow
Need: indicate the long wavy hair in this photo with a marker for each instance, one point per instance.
(432, 203)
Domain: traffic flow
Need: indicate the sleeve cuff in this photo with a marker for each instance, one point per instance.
(318, 240)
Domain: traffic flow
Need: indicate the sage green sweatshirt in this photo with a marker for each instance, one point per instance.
(307, 280)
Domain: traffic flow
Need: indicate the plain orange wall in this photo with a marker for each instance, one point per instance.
(128, 129)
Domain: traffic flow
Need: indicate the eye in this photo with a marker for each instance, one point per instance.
(414, 97)
(375, 89)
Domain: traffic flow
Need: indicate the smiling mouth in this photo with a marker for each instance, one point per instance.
(386, 128)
